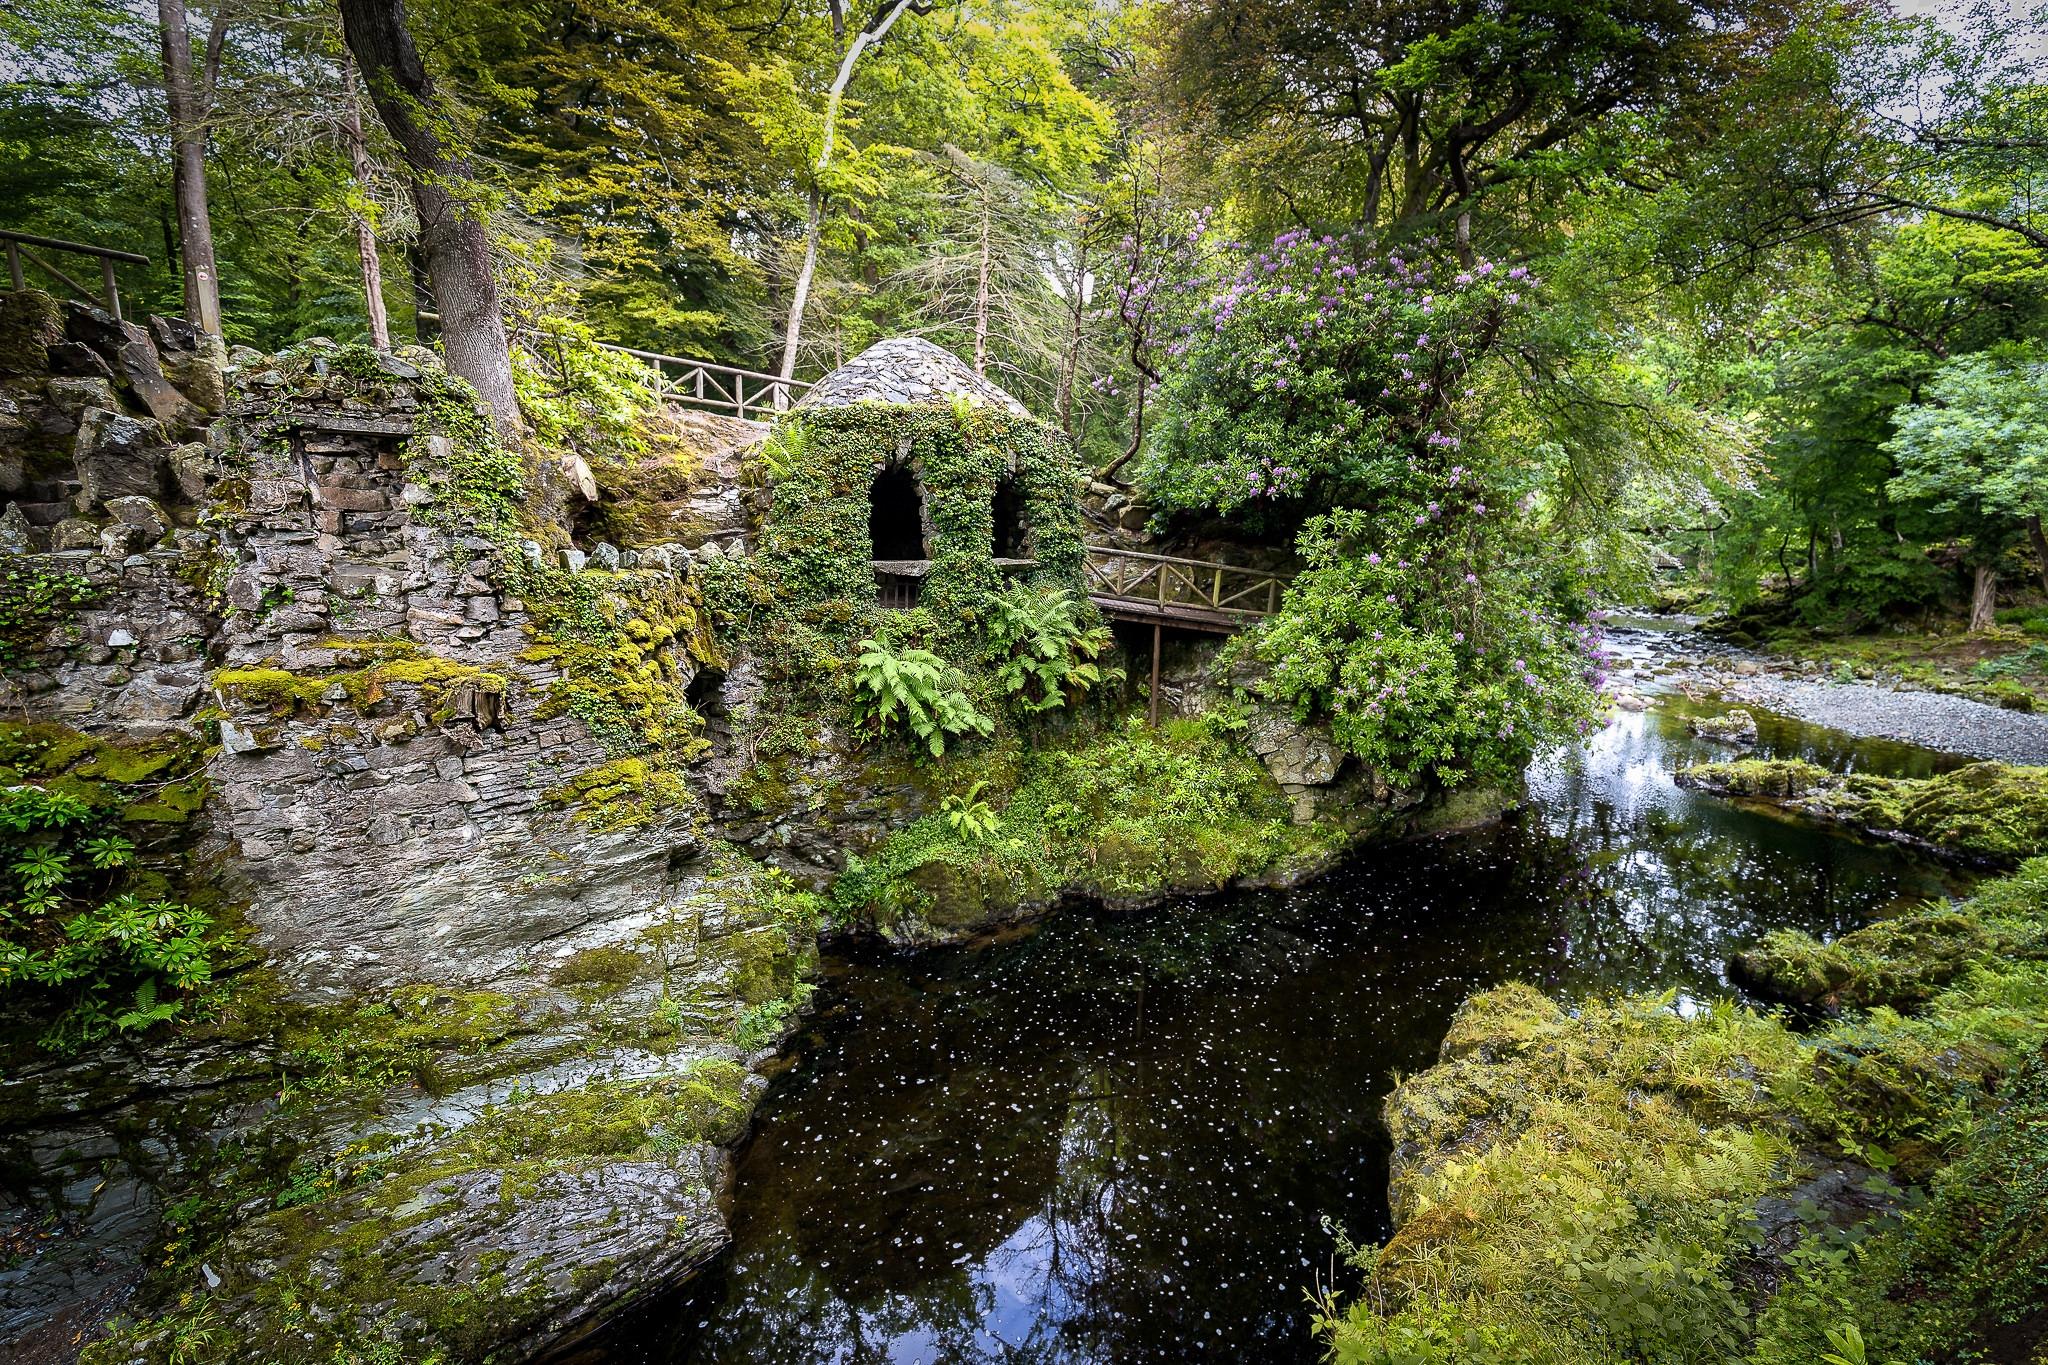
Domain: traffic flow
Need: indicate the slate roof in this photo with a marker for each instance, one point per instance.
(906, 370)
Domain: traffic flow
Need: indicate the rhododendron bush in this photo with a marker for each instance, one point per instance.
(1320, 374)
(1324, 386)
(1429, 650)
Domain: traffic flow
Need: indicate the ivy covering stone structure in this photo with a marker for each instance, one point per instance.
(953, 451)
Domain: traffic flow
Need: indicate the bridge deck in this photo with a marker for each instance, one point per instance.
(1178, 614)
(1190, 594)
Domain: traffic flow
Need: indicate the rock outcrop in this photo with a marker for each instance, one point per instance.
(441, 793)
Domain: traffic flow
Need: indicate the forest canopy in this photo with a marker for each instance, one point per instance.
(1485, 316)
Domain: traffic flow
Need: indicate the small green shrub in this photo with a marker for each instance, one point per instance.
(914, 691)
(31, 601)
(965, 813)
(77, 929)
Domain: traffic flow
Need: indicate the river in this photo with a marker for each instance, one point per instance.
(1117, 1138)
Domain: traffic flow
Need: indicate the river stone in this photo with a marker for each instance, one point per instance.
(31, 322)
(133, 358)
(74, 533)
(193, 362)
(72, 395)
(190, 464)
(16, 536)
(1737, 727)
(1296, 755)
(144, 514)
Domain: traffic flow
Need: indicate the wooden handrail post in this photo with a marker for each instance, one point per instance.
(14, 265)
(113, 289)
(1153, 719)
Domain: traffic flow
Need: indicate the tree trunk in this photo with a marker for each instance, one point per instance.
(366, 232)
(1984, 599)
(1070, 354)
(2040, 540)
(452, 236)
(981, 288)
(423, 306)
(188, 169)
(792, 335)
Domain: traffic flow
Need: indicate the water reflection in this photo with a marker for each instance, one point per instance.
(1113, 1139)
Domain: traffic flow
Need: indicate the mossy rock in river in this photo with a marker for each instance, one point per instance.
(1992, 812)
(1903, 961)
(1894, 962)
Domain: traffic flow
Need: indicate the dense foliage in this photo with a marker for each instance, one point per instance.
(1320, 373)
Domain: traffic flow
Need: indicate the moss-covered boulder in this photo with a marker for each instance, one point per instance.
(1898, 962)
(1990, 812)
(1626, 1180)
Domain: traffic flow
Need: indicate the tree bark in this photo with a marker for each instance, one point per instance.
(423, 329)
(1984, 599)
(366, 232)
(1077, 317)
(453, 242)
(2034, 533)
(188, 169)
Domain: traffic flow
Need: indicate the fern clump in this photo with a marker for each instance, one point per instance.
(912, 691)
(1047, 650)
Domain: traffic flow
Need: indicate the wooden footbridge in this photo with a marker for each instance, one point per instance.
(1166, 592)
(1189, 594)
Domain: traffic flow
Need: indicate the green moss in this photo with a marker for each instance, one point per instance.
(420, 1035)
(808, 593)
(1766, 777)
(609, 968)
(160, 781)
(1131, 810)
(1586, 1185)
(1988, 811)
(343, 1234)
(30, 323)
(284, 693)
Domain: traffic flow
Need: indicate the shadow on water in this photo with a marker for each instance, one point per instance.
(1114, 1138)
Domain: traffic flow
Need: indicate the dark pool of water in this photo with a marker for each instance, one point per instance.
(1115, 1139)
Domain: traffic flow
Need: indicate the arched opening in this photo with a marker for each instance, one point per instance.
(896, 515)
(1012, 535)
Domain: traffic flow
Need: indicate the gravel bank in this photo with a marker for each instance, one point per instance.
(1663, 659)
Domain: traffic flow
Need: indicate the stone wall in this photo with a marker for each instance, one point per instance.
(261, 555)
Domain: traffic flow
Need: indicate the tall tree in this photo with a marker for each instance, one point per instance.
(869, 34)
(1979, 447)
(1398, 112)
(188, 101)
(452, 231)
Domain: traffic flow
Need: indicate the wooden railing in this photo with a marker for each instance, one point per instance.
(1142, 586)
(720, 387)
(18, 244)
